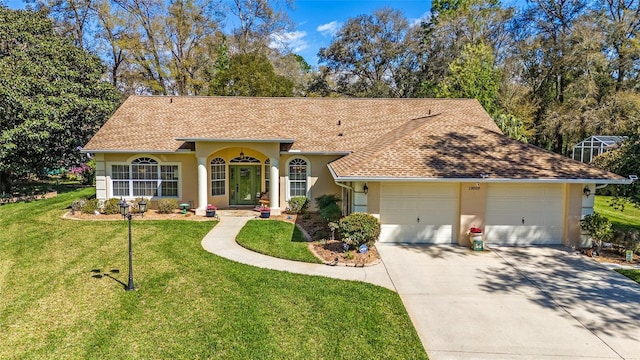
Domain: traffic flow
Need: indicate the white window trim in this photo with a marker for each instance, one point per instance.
(226, 176)
(287, 183)
(109, 179)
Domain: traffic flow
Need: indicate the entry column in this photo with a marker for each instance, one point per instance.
(274, 186)
(202, 186)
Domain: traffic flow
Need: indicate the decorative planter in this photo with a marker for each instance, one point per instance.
(477, 244)
(211, 213)
(265, 214)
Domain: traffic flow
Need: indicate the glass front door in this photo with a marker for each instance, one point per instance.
(244, 183)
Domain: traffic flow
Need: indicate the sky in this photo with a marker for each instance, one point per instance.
(316, 21)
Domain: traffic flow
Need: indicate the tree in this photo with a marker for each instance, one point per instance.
(250, 75)
(52, 98)
(374, 56)
(624, 161)
(473, 75)
(257, 21)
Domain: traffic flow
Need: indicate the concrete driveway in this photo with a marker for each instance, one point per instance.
(515, 303)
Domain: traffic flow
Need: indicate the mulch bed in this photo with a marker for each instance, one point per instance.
(613, 256)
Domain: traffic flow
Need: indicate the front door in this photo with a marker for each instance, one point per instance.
(244, 183)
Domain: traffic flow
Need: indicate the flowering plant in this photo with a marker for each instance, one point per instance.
(264, 208)
(211, 207)
(475, 230)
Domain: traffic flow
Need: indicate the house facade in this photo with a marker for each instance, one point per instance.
(427, 168)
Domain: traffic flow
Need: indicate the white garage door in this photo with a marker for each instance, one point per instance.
(524, 214)
(418, 213)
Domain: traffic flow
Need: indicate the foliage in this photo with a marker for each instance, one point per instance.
(78, 204)
(627, 238)
(167, 206)
(111, 206)
(624, 161)
(52, 98)
(250, 75)
(86, 172)
(275, 238)
(473, 75)
(359, 228)
(328, 207)
(90, 206)
(298, 204)
(512, 127)
(598, 227)
(66, 302)
(384, 65)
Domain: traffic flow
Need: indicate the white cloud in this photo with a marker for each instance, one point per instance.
(293, 40)
(425, 17)
(329, 29)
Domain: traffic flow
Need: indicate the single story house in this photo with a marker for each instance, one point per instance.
(429, 169)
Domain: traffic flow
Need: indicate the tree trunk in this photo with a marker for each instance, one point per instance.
(5, 182)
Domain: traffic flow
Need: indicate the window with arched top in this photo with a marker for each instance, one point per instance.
(144, 177)
(218, 176)
(298, 172)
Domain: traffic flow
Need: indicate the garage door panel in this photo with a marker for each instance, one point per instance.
(519, 214)
(432, 234)
(418, 213)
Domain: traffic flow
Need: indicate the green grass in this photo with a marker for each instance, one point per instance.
(629, 218)
(632, 274)
(276, 238)
(189, 303)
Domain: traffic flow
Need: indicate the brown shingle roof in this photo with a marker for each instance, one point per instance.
(404, 138)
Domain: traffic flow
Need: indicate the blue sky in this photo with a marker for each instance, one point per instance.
(317, 20)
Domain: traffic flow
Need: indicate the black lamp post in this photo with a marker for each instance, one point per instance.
(124, 210)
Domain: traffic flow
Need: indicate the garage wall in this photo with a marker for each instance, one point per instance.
(419, 212)
(473, 206)
(525, 214)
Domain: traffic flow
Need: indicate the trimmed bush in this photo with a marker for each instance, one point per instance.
(298, 204)
(629, 239)
(359, 228)
(111, 206)
(90, 206)
(598, 227)
(166, 206)
(328, 207)
(77, 205)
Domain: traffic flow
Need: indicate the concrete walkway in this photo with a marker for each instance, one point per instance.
(221, 240)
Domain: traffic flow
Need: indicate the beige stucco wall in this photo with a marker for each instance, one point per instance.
(473, 207)
(187, 183)
(576, 203)
(320, 180)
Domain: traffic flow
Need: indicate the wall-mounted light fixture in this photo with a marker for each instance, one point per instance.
(241, 154)
(365, 189)
(586, 191)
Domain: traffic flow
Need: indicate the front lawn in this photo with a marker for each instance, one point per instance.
(276, 238)
(60, 297)
(630, 217)
(632, 274)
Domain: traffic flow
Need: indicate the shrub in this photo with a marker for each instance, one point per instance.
(298, 204)
(166, 206)
(111, 206)
(90, 206)
(77, 205)
(627, 238)
(359, 228)
(598, 227)
(328, 207)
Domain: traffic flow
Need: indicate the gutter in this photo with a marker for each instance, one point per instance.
(621, 181)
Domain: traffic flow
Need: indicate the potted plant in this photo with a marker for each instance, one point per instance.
(475, 238)
(211, 210)
(265, 212)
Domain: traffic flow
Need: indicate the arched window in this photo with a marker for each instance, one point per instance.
(144, 177)
(298, 169)
(245, 159)
(218, 176)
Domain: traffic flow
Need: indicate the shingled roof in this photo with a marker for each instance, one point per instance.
(386, 138)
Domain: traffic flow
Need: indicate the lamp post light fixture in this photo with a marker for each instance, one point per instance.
(126, 214)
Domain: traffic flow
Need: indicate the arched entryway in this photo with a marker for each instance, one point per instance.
(245, 180)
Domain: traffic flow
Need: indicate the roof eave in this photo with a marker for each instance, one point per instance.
(274, 140)
(484, 180)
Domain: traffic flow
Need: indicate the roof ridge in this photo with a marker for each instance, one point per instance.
(381, 143)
